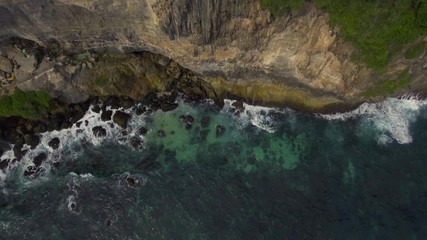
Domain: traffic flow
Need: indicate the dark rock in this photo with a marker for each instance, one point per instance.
(106, 115)
(140, 110)
(113, 102)
(99, 131)
(17, 151)
(149, 164)
(204, 134)
(4, 146)
(65, 125)
(78, 124)
(205, 121)
(142, 131)
(39, 159)
(31, 170)
(56, 165)
(251, 160)
(187, 119)
(238, 107)
(166, 107)
(126, 102)
(54, 143)
(136, 143)
(161, 133)
(220, 130)
(4, 164)
(78, 114)
(221, 161)
(17, 140)
(21, 130)
(40, 128)
(31, 140)
(4, 202)
(131, 182)
(86, 123)
(96, 109)
(121, 119)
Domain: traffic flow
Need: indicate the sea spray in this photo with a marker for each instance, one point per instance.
(392, 118)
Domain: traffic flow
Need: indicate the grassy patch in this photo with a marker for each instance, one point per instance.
(415, 51)
(388, 87)
(279, 7)
(377, 28)
(31, 105)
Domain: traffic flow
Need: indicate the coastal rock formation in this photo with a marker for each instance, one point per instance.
(234, 46)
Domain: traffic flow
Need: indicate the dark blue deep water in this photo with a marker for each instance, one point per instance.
(260, 174)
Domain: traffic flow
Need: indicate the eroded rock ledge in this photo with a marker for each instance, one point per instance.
(232, 48)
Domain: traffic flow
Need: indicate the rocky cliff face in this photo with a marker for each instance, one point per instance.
(234, 45)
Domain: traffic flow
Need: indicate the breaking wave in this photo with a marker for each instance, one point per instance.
(392, 118)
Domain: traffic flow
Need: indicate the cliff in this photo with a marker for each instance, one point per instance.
(234, 46)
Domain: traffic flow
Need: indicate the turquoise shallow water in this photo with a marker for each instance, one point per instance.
(269, 174)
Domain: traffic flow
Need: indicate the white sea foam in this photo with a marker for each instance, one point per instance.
(81, 134)
(258, 116)
(392, 118)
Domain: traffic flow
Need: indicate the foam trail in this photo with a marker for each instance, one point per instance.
(392, 118)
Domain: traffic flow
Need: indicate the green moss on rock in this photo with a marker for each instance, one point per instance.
(378, 29)
(30, 105)
(416, 50)
(387, 87)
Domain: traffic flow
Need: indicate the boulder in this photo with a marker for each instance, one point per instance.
(99, 131)
(4, 164)
(106, 115)
(142, 131)
(39, 159)
(121, 119)
(6, 65)
(31, 140)
(54, 143)
(220, 130)
(166, 107)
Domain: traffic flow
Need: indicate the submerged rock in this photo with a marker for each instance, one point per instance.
(54, 143)
(136, 143)
(205, 121)
(99, 131)
(140, 110)
(142, 130)
(220, 130)
(188, 119)
(161, 134)
(121, 119)
(204, 134)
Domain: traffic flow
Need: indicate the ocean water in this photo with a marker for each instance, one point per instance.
(262, 173)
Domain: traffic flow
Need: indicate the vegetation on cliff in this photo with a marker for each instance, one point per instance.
(379, 29)
(30, 105)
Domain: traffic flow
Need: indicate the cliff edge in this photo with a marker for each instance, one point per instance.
(235, 46)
